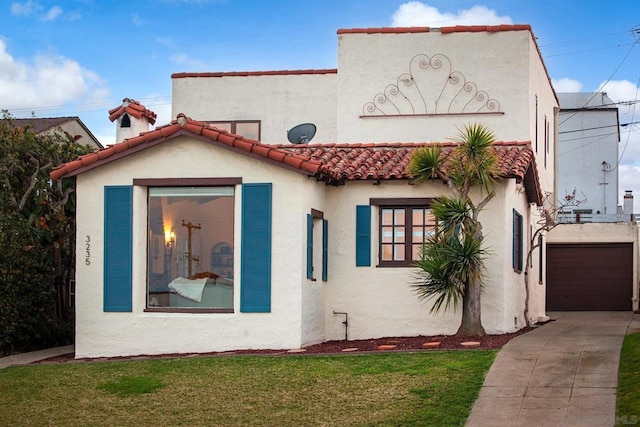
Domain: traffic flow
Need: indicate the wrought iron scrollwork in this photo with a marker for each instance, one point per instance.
(430, 87)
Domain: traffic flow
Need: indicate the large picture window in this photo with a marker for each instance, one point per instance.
(191, 250)
(403, 230)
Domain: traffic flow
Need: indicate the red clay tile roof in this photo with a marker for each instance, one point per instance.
(445, 30)
(133, 108)
(254, 73)
(388, 161)
(332, 163)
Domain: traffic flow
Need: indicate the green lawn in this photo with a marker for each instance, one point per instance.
(628, 400)
(394, 389)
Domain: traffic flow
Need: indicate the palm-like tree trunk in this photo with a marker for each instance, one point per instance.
(471, 324)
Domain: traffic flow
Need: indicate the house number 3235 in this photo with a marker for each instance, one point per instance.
(87, 252)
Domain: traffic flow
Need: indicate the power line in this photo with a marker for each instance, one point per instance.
(605, 83)
(597, 127)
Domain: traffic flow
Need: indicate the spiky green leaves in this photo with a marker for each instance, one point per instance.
(452, 257)
(425, 163)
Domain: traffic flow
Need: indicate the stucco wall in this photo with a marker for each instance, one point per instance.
(381, 302)
(540, 87)
(280, 102)
(314, 291)
(139, 332)
(496, 62)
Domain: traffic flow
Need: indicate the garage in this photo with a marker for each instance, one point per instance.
(596, 277)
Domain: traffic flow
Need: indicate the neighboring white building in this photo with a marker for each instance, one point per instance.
(588, 140)
(198, 240)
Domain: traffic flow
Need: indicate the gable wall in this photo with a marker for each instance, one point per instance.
(73, 128)
(496, 63)
(111, 334)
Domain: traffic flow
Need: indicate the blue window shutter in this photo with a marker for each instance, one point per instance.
(363, 235)
(325, 249)
(309, 246)
(516, 254)
(118, 232)
(520, 242)
(255, 262)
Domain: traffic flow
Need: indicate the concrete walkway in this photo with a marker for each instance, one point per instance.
(34, 356)
(565, 373)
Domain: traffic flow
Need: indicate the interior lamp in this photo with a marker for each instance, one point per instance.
(169, 237)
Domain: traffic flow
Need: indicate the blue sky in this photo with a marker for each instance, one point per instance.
(82, 57)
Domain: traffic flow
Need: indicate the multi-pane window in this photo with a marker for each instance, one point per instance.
(248, 128)
(403, 231)
(190, 256)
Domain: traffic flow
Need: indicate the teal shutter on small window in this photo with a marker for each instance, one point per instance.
(309, 246)
(325, 249)
(516, 256)
(118, 232)
(255, 262)
(363, 235)
(514, 238)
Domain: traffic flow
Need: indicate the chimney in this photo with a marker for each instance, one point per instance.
(628, 204)
(132, 118)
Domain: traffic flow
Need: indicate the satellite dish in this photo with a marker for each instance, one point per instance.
(301, 134)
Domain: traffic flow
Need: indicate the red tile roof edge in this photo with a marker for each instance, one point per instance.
(384, 30)
(444, 30)
(189, 127)
(255, 73)
(368, 161)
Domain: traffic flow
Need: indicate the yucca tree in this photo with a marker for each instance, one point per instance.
(452, 259)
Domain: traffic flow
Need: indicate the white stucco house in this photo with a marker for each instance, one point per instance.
(214, 233)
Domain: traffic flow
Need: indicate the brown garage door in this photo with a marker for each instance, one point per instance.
(589, 276)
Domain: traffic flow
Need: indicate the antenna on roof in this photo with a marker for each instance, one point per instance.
(301, 134)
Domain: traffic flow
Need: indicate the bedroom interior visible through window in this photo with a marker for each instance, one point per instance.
(190, 248)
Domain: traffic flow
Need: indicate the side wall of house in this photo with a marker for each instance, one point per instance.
(543, 111)
(100, 333)
(314, 288)
(280, 102)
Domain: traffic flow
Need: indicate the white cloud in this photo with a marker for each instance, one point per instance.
(32, 7)
(166, 42)
(46, 81)
(566, 85)
(52, 14)
(418, 14)
(186, 60)
(137, 20)
(622, 91)
(629, 179)
(25, 8)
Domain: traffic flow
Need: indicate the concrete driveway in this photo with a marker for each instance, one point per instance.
(564, 373)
